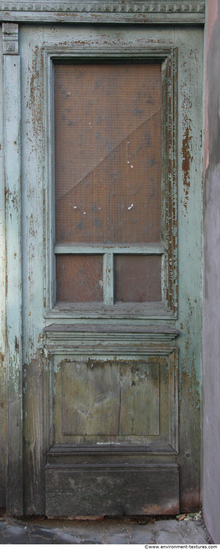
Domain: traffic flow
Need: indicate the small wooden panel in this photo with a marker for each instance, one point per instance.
(110, 398)
(89, 489)
(108, 152)
(137, 278)
(91, 398)
(79, 278)
(139, 399)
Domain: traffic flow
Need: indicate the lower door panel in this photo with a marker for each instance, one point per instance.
(114, 423)
(116, 489)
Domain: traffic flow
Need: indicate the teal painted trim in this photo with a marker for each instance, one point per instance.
(155, 248)
(12, 151)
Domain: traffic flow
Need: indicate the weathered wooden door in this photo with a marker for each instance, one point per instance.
(111, 191)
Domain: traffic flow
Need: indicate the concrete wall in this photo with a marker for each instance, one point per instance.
(211, 311)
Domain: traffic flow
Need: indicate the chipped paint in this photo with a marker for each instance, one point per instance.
(36, 208)
(211, 308)
(187, 158)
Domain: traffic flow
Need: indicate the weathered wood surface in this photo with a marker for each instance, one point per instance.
(12, 153)
(110, 339)
(91, 489)
(98, 11)
(152, 330)
(2, 301)
(190, 207)
(109, 398)
(64, 310)
(107, 452)
(36, 385)
(138, 248)
(108, 279)
(124, 402)
(36, 433)
(189, 44)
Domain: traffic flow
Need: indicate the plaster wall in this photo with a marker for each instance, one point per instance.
(211, 307)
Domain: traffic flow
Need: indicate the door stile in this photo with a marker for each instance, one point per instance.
(12, 145)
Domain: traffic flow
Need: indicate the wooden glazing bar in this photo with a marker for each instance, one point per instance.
(155, 248)
(108, 279)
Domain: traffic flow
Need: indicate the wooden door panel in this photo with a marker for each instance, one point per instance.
(84, 321)
(90, 398)
(127, 401)
(89, 489)
(109, 398)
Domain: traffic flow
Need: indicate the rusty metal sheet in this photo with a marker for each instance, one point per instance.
(137, 278)
(79, 278)
(108, 152)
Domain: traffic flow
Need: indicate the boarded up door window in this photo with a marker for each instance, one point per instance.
(107, 157)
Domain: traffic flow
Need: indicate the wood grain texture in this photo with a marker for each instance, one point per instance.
(36, 433)
(2, 301)
(135, 398)
(91, 398)
(112, 490)
(12, 139)
(109, 398)
(140, 405)
(190, 208)
(36, 388)
(151, 330)
(62, 345)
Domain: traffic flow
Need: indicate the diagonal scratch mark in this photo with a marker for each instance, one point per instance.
(115, 146)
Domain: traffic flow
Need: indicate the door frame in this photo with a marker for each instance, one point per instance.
(156, 12)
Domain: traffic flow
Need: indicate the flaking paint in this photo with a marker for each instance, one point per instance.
(211, 303)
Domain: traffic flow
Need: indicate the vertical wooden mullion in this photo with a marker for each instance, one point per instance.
(108, 279)
(12, 154)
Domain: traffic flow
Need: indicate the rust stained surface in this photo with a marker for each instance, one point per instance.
(137, 278)
(79, 278)
(108, 152)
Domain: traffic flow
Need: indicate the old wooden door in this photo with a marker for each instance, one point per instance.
(111, 187)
